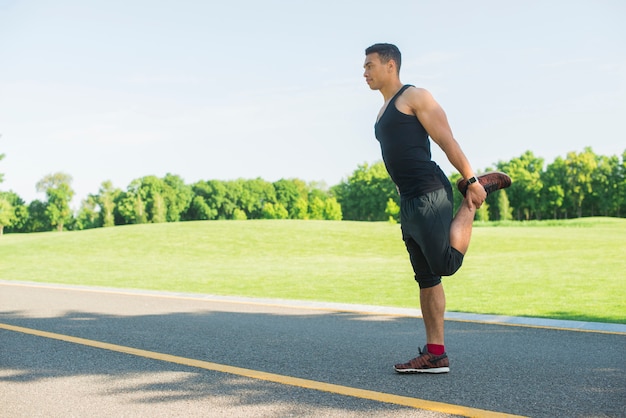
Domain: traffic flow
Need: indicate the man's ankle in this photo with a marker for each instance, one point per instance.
(436, 349)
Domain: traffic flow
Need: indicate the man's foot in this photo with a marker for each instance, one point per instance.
(425, 363)
(492, 181)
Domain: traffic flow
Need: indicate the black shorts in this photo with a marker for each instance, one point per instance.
(425, 222)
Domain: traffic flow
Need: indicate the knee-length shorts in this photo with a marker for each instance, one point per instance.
(425, 222)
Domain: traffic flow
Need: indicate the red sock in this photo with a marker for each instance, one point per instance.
(435, 349)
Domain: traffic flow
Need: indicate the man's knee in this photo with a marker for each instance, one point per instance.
(449, 264)
(425, 282)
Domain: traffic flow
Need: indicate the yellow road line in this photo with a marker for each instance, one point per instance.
(270, 377)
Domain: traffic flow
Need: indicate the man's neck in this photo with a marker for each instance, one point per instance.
(391, 89)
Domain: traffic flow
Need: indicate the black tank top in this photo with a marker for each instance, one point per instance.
(405, 148)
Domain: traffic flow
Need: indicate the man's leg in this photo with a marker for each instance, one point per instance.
(461, 228)
(433, 305)
(433, 359)
(426, 227)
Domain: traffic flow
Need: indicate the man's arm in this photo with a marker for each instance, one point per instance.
(434, 120)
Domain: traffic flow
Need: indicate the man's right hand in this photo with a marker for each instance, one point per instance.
(475, 195)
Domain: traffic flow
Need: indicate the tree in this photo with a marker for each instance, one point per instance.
(151, 199)
(316, 208)
(7, 214)
(292, 194)
(239, 215)
(274, 211)
(7, 211)
(199, 210)
(177, 197)
(621, 186)
(524, 194)
(99, 210)
(1, 174)
(255, 193)
(392, 210)
(579, 168)
(88, 215)
(20, 211)
(129, 206)
(150, 191)
(232, 204)
(482, 213)
(332, 210)
(604, 197)
(209, 201)
(364, 195)
(505, 212)
(301, 209)
(159, 210)
(59, 193)
(106, 200)
(553, 194)
(37, 220)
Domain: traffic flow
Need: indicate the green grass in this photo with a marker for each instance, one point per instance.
(567, 270)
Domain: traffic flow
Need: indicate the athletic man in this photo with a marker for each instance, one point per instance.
(436, 241)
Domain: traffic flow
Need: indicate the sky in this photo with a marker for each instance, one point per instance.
(121, 89)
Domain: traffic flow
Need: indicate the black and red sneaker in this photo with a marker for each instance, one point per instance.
(425, 363)
(491, 181)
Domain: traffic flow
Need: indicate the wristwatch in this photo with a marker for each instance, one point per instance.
(472, 180)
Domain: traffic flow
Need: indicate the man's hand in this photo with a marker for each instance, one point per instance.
(475, 195)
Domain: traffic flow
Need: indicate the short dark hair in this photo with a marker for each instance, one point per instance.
(386, 52)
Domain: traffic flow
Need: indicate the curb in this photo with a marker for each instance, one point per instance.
(601, 327)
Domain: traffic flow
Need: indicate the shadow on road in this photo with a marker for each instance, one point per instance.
(526, 371)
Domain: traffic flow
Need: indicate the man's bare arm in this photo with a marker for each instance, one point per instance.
(432, 116)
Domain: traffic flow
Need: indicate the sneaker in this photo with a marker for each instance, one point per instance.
(425, 363)
(492, 181)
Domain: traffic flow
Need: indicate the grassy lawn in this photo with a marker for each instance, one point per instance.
(566, 270)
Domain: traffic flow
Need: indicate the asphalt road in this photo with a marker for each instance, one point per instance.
(69, 351)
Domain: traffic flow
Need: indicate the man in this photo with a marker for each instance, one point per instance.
(436, 242)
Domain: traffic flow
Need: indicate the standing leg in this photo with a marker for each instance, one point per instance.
(427, 228)
(433, 305)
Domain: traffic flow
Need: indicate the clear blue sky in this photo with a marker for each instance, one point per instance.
(116, 90)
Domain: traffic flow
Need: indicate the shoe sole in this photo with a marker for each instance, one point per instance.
(498, 181)
(433, 370)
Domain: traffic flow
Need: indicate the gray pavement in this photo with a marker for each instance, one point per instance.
(530, 369)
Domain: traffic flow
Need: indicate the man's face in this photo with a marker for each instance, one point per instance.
(376, 73)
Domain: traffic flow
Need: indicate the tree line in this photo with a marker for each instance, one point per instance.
(152, 199)
(581, 184)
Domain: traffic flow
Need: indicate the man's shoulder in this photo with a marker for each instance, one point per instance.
(416, 97)
(419, 92)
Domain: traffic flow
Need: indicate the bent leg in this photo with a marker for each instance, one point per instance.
(428, 221)
(461, 228)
